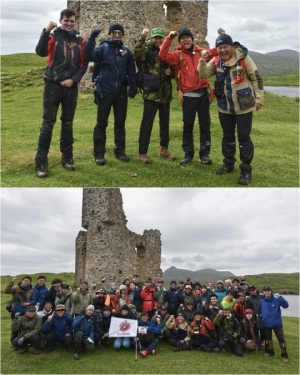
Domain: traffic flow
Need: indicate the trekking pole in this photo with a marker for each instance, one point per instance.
(135, 351)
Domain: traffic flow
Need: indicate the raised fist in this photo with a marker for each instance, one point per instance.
(52, 25)
(95, 33)
(145, 31)
(172, 34)
(221, 31)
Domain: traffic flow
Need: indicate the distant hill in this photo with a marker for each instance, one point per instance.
(276, 63)
(287, 53)
(203, 276)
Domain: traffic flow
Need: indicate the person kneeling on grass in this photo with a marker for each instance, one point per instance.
(58, 328)
(250, 336)
(29, 328)
(83, 326)
(181, 333)
(229, 331)
(146, 339)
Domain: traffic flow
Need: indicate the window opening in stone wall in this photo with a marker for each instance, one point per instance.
(140, 250)
(108, 222)
(99, 228)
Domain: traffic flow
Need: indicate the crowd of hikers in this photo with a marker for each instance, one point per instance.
(217, 317)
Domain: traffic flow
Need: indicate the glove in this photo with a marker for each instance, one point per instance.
(95, 33)
(90, 340)
(21, 340)
(276, 295)
(132, 93)
(172, 34)
(17, 314)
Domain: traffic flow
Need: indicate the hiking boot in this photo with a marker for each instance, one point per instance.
(37, 351)
(205, 160)
(122, 157)
(143, 353)
(76, 356)
(100, 160)
(165, 153)
(23, 350)
(185, 160)
(42, 171)
(245, 178)
(144, 159)
(48, 351)
(68, 165)
(14, 347)
(225, 169)
(153, 352)
(284, 359)
(268, 354)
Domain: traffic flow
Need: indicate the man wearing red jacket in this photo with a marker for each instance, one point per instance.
(204, 335)
(194, 90)
(148, 302)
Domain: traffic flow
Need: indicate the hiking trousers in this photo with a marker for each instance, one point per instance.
(150, 109)
(119, 104)
(54, 96)
(243, 124)
(190, 107)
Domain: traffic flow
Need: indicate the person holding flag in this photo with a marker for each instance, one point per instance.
(146, 339)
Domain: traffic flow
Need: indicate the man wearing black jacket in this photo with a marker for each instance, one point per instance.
(64, 50)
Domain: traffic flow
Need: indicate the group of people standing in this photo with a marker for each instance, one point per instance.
(229, 316)
(239, 91)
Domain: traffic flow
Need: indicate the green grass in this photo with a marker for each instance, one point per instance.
(110, 361)
(275, 136)
(291, 79)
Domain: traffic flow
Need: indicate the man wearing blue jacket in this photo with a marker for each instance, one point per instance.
(146, 339)
(271, 319)
(114, 70)
(58, 328)
(84, 331)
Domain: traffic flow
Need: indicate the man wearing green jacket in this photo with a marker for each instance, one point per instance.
(81, 298)
(28, 327)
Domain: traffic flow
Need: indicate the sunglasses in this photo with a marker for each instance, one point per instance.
(115, 33)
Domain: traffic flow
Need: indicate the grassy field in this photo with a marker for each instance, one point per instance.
(275, 136)
(110, 361)
(291, 79)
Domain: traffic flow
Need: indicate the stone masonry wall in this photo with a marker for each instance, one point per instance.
(136, 15)
(108, 248)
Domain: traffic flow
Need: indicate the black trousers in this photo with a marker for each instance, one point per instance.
(65, 341)
(243, 123)
(269, 347)
(54, 96)
(34, 340)
(150, 109)
(191, 107)
(119, 104)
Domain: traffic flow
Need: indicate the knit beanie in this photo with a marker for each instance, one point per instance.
(90, 307)
(185, 31)
(223, 38)
(115, 26)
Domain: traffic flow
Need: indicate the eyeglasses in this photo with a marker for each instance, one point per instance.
(115, 33)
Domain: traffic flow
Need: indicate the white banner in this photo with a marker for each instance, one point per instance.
(122, 327)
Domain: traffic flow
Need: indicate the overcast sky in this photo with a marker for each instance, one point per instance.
(262, 26)
(245, 231)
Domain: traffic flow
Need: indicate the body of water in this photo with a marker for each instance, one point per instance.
(291, 92)
(293, 309)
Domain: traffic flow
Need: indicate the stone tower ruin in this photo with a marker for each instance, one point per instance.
(135, 16)
(107, 248)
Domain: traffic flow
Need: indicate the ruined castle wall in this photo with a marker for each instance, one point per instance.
(136, 15)
(108, 248)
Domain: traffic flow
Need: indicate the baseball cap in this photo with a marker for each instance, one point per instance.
(157, 31)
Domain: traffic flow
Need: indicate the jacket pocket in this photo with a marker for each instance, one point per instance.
(245, 98)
